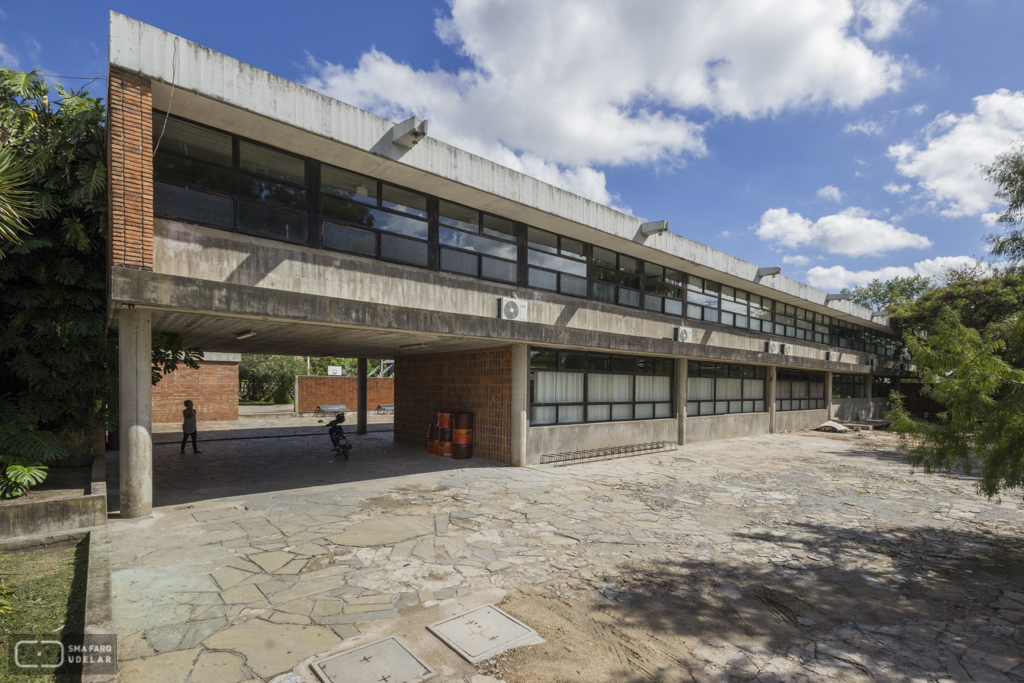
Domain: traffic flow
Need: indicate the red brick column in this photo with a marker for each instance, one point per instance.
(130, 170)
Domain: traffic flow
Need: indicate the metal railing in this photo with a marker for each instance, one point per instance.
(607, 453)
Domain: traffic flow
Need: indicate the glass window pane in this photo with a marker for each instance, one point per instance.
(596, 363)
(542, 240)
(344, 238)
(573, 249)
(484, 245)
(735, 406)
(406, 201)
(644, 411)
(663, 410)
(347, 212)
(727, 319)
(628, 297)
(701, 299)
(270, 162)
(191, 140)
(558, 387)
(663, 366)
(622, 411)
(335, 182)
(624, 364)
(748, 406)
(652, 303)
(271, 221)
(543, 415)
(604, 292)
(553, 262)
(397, 248)
(758, 406)
(543, 279)
(694, 312)
(604, 258)
(734, 306)
(402, 225)
(692, 409)
(700, 388)
(458, 216)
(502, 228)
(493, 269)
(721, 407)
(673, 307)
(460, 262)
(753, 388)
(711, 315)
(645, 388)
(543, 358)
(572, 360)
(599, 413)
(628, 264)
(570, 414)
(572, 285)
(191, 205)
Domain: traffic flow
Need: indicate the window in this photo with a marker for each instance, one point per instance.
(663, 289)
(722, 388)
(848, 386)
(799, 390)
(881, 387)
(366, 217)
(556, 263)
(200, 177)
(702, 299)
(572, 386)
(616, 278)
(475, 243)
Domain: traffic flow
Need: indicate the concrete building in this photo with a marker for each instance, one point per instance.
(252, 215)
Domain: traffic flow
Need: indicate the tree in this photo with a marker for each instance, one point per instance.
(879, 295)
(1007, 172)
(268, 378)
(966, 341)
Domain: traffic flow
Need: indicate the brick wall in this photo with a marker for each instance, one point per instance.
(315, 391)
(130, 170)
(213, 388)
(478, 382)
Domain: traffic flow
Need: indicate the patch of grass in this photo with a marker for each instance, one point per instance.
(49, 600)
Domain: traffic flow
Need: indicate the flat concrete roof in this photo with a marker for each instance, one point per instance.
(197, 83)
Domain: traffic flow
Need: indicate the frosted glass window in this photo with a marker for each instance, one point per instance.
(644, 411)
(570, 414)
(599, 413)
(663, 410)
(753, 388)
(700, 388)
(728, 389)
(544, 415)
(622, 411)
(613, 388)
(558, 387)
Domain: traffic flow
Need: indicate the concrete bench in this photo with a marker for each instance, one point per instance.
(331, 409)
(386, 409)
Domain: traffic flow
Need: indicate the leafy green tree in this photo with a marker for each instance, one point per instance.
(15, 200)
(1007, 173)
(268, 378)
(878, 295)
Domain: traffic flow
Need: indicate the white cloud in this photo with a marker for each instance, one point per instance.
(796, 260)
(917, 109)
(866, 127)
(850, 232)
(831, 193)
(8, 60)
(946, 168)
(578, 84)
(837, 277)
(990, 217)
(893, 188)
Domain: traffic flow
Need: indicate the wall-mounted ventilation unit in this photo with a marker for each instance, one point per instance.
(787, 349)
(771, 347)
(684, 334)
(832, 355)
(512, 309)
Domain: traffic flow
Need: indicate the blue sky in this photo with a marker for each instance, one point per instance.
(837, 138)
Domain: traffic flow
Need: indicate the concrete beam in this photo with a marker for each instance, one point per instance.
(135, 350)
(409, 132)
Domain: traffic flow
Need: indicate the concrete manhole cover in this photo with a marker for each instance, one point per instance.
(387, 660)
(483, 632)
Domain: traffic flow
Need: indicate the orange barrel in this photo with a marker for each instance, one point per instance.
(432, 439)
(462, 438)
(444, 420)
(444, 441)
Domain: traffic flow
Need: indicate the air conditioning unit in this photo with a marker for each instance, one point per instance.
(787, 349)
(872, 362)
(684, 334)
(512, 309)
(771, 347)
(832, 355)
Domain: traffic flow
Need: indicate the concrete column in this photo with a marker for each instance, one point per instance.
(680, 380)
(520, 402)
(771, 399)
(360, 396)
(828, 393)
(135, 356)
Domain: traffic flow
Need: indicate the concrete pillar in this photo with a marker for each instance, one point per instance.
(828, 393)
(680, 379)
(520, 403)
(771, 399)
(135, 356)
(360, 396)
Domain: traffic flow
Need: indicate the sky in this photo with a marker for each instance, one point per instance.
(842, 140)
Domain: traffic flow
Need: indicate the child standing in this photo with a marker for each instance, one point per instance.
(188, 426)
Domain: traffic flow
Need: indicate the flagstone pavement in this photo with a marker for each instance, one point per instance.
(262, 553)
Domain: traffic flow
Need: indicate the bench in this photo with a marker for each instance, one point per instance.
(386, 409)
(332, 409)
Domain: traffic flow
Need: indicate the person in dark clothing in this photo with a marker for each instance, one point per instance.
(189, 427)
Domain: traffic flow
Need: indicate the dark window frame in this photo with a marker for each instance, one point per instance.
(848, 385)
(716, 371)
(792, 376)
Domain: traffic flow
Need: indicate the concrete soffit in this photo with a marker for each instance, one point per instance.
(222, 92)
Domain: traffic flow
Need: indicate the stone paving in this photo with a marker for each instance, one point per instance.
(830, 559)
